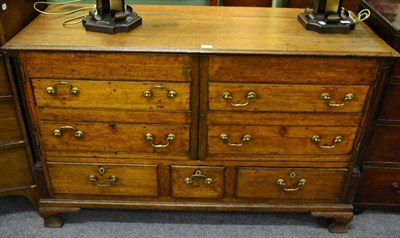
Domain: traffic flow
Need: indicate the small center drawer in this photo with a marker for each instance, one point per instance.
(103, 179)
(197, 182)
(285, 183)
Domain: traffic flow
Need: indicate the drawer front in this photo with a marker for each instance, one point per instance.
(97, 179)
(9, 126)
(384, 146)
(108, 94)
(274, 140)
(390, 108)
(15, 168)
(380, 185)
(294, 98)
(197, 182)
(292, 69)
(115, 137)
(5, 89)
(285, 183)
(144, 67)
(396, 67)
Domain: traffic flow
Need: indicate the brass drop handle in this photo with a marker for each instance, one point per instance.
(224, 138)
(347, 98)
(52, 90)
(197, 174)
(59, 132)
(170, 139)
(396, 187)
(317, 139)
(112, 180)
(170, 93)
(282, 184)
(227, 96)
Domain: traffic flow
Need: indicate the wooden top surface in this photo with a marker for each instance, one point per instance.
(195, 29)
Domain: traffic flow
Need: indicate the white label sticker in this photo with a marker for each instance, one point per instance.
(207, 46)
(4, 6)
(345, 22)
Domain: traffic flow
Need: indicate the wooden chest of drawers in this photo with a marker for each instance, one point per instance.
(207, 115)
(381, 160)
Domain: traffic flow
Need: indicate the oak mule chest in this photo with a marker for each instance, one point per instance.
(200, 108)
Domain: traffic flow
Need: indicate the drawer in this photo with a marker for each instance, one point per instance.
(390, 108)
(112, 94)
(286, 183)
(294, 98)
(114, 137)
(15, 168)
(143, 67)
(197, 181)
(379, 185)
(384, 145)
(292, 69)
(9, 125)
(103, 179)
(274, 140)
(5, 89)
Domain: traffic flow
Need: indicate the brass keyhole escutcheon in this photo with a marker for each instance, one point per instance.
(292, 175)
(102, 170)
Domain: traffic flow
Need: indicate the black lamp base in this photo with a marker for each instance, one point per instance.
(312, 22)
(110, 26)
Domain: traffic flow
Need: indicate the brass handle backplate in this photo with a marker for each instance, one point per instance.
(52, 90)
(112, 180)
(396, 187)
(317, 139)
(347, 98)
(224, 138)
(170, 93)
(282, 184)
(170, 139)
(59, 132)
(197, 174)
(228, 97)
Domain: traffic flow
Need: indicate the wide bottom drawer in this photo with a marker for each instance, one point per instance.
(379, 185)
(15, 170)
(285, 183)
(98, 179)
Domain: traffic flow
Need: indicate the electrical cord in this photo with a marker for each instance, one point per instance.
(361, 16)
(70, 21)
